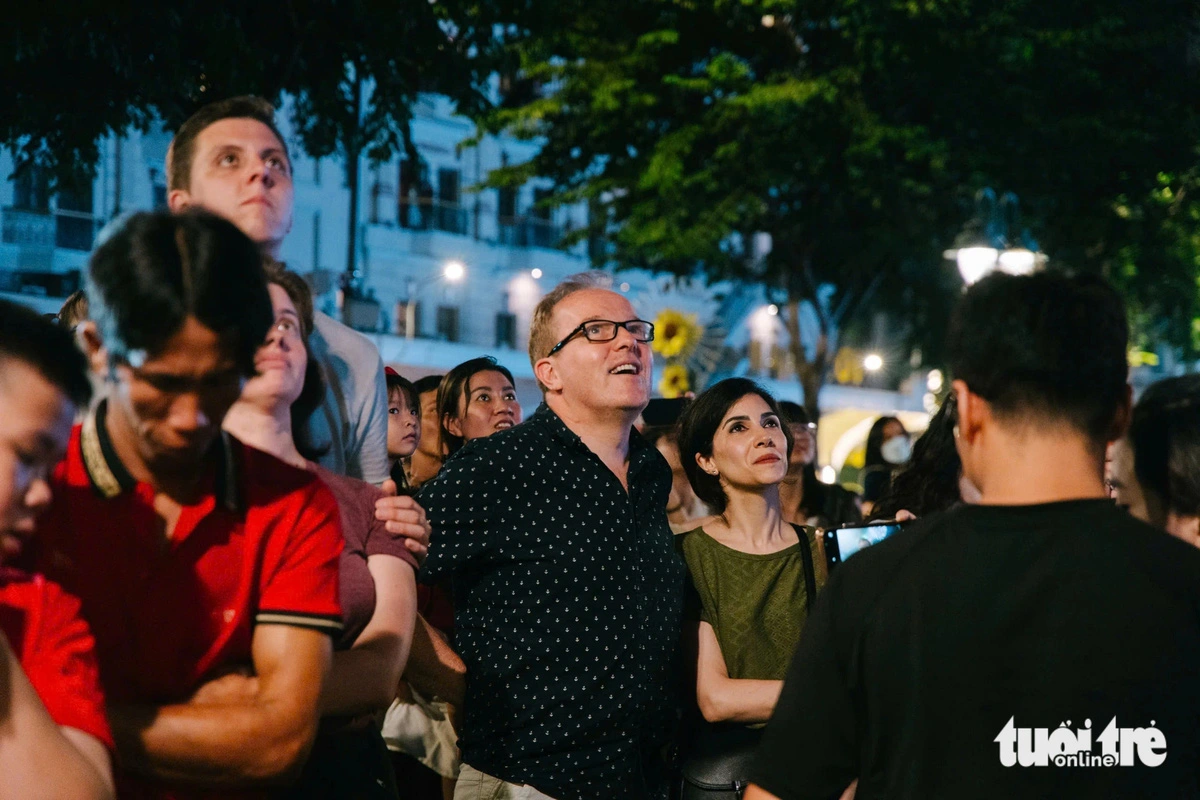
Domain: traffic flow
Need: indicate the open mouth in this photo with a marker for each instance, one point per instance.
(625, 369)
(503, 424)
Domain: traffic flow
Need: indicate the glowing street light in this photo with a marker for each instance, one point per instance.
(997, 241)
(454, 271)
(873, 362)
(773, 310)
(535, 273)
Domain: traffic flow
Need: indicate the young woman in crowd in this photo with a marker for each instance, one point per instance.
(404, 424)
(753, 572)
(933, 479)
(377, 573)
(888, 446)
(806, 500)
(476, 399)
(1154, 471)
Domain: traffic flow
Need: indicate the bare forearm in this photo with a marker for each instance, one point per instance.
(37, 757)
(738, 700)
(363, 680)
(434, 668)
(210, 744)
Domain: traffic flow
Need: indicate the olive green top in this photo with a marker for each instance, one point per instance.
(755, 603)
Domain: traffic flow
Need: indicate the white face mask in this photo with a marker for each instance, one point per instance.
(896, 450)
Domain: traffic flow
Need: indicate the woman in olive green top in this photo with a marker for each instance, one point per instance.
(747, 564)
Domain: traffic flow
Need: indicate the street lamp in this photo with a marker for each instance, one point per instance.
(452, 272)
(994, 240)
(873, 362)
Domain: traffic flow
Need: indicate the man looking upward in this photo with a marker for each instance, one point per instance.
(567, 588)
(230, 159)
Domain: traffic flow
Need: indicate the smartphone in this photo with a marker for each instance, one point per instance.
(841, 543)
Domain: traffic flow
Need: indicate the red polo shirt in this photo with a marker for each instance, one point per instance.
(44, 628)
(261, 546)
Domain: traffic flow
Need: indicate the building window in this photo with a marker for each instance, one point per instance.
(31, 188)
(450, 216)
(75, 225)
(317, 171)
(402, 316)
(506, 330)
(447, 323)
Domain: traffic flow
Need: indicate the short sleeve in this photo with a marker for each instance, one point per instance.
(300, 579)
(369, 443)
(462, 508)
(380, 541)
(809, 749)
(61, 665)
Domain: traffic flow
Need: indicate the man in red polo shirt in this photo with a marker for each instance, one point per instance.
(54, 739)
(193, 555)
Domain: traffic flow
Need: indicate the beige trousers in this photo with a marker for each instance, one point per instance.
(475, 785)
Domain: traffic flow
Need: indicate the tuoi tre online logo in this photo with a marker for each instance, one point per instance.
(1064, 747)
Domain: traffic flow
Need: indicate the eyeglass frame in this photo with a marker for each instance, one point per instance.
(582, 328)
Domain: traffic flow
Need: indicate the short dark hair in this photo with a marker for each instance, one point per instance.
(429, 383)
(27, 336)
(454, 387)
(1044, 347)
(183, 147)
(1165, 436)
(160, 268)
(312, 393)
(699, 423)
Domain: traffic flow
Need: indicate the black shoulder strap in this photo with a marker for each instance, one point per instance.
(810, 577)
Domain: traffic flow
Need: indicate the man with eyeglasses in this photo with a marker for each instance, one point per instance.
(567, 588)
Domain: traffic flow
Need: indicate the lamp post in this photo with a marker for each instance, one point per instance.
(452, 272)
(994, 240)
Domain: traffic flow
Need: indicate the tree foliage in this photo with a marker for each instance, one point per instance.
(856, 133)
(74, 72)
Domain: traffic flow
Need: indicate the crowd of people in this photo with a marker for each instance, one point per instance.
(239, 557)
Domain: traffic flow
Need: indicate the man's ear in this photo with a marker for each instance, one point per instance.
(547, 375)
(179, 200)
(452, 424)
(972, 409)
(87, 334)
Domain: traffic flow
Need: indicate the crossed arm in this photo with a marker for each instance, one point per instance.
(39, 759)
(257, 736)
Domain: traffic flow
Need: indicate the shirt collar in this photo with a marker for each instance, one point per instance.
(638, 446)
(110, 478)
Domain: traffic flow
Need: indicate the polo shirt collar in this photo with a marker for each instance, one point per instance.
(110, 478)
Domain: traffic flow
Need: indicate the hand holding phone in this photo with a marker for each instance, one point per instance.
(841, 543)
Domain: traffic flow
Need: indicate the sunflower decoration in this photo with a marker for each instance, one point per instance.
(675, 333)
(674, 381)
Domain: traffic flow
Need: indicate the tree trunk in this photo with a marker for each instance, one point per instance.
(810, 373)
(352, 154)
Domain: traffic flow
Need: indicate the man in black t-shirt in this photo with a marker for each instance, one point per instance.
(1040, 644)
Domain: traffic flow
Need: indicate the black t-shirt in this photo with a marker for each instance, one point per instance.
(923, 648)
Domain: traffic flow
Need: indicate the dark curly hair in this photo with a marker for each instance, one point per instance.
(928, 483)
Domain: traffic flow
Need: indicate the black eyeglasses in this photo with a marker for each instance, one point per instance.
(605, 330)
